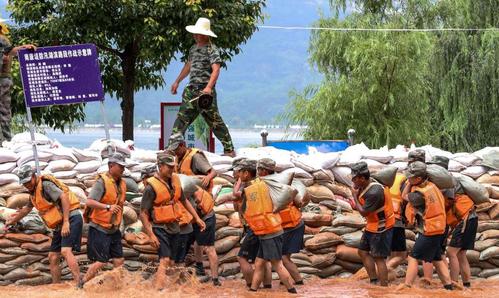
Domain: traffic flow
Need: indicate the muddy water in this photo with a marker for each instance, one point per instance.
(124, 284)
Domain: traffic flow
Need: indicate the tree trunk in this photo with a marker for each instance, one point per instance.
(127, 103)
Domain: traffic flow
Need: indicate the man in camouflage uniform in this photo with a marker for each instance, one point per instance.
(7, 51)
(203, 68)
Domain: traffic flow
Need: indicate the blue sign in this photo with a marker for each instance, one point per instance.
(61, 75)
(302, 147)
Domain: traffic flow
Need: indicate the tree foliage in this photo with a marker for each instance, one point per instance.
(137, 39)
(402, 87)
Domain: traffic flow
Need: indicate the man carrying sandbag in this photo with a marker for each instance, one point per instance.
(59, 208)
(374, 202)
(191, 162)
(104, 212)
(463, 221)
(426, 211)
(258, 212)
(291, 222)
(160, 214)
(398, 248)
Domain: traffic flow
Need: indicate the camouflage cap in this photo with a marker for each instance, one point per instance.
(175, 140)
(416, 169)
(417, 155)
(360, 168)
(147, 171)
(266, 163)
(165, 158)
(247, 164)
(440, 161)
(25, 173)
(236, 162)
(118, 158)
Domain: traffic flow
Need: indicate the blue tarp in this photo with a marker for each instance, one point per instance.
(302, 147)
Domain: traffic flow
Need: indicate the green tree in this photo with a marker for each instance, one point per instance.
(374, 82)
(137, 39)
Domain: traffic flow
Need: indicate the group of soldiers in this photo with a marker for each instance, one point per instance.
(413, 201)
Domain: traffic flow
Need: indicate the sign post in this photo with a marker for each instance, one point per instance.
(59, 75)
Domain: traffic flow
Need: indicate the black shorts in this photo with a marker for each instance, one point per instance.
(74, 238)
(398, 239)
(249, 246)
(207, 237)
(270, 249)
(465, 240)
(181, 247)
(292, 240)
(166, 242)
(428, 248)
(102, 247)
(377, 244)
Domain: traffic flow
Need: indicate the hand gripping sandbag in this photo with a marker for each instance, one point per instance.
(302, 195)
(386, 176)
(189, 184)
(284, 178)
(477, 192)
(281, 194)
(440, 176)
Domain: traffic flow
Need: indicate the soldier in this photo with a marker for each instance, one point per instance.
(7, 51)
(60, 210)
(203, 68)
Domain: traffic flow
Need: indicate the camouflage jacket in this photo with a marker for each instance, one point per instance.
(201, 59)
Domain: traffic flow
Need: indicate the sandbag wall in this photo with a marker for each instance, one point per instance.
(333, 229)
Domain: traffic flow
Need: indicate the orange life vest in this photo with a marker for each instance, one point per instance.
(50, 212)
(112, 196)
(290, 217)
(383, 218)
(204, 200)
(166, 205)
(434, 214)
(396, 195)
(184, 165)
(258, 214)
(459, 209)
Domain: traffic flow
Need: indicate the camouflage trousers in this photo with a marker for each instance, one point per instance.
(189, 111)
(5, 109)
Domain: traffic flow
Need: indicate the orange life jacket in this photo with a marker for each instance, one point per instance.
(383, 218)
(258, 214)
(112, 196)
(396, 194)
(166, 205)
(50, 212)
(204, 200)
(184, 165)
(459, 209)
(434, 214)
(290, 217)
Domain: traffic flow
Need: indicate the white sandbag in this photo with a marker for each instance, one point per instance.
(8, 178)
(80, 193)
(323, 175)
(8, 167)
(141, 166)
(477, 192)
(373, 165)
(6, 213)
(216, 159)
(189, 184)
(455, 166)
(102, 145)
(27, 156)
(298, 173)
(60, 166)
(382, 155)
(475, 171)
(400, 165)
(432, 151)
(316, 161)
(143, 156)
(86, 155)
(65, 174)
(281, 194)
(342, 175)
(465, 158)
(61, 154)
(385, 176)
(284, 178)
(222, 168)
(87, 167)
(485, 151)
(440, 176)
(11, 189)
(41, 164)
(400, 153)
(352, 154)
(25, 137)
(281, 157)
(7, 155)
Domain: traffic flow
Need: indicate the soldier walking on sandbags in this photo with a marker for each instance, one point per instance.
(59, 208)
(374, 202)
(160, 214)
(203, 68)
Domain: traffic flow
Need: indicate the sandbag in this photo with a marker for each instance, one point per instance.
(477, 192)
(354, 221)
(137, 238)
(484, 207)
(323, 240)
(455, 166)
(382, 156)
(489, 272)
(27, 156)
(33, 223)
(493, 191)
(347, 253)
(224, 245)
(488, 179)
(410, 235)
(494, 212)
(6, 243)
(349, 266)
(4, 269)
(337, 205)
(473, 256)
(465, 158)
(65, 174)
(6, 257)
(225, 209)
(101, 146)
(34, 238)
(316, 220)
(129, 215)
(20, 273)
(475, 171)
(145, 248)
(439, 176)
(235, 221)
(229, 269)
(36, 247)
(489, 253)
(330, 270)
(297, 173)
(24, 260)
(339, 189)
(136, 227)
(385, 176)
(230, 257)
(323, 261)
(86, 155)
(312, 231)
(343, 175)
(319, 193)
(8, 167)
(221, 221)
(143, 156)
(6, 155)
(487, 225)
(352, 239)
(8, 178)
(323, 175)
(189, 184)
(87, 167)
(301, 263)
(221, 181)
(60, 165)
(484, 244)
(18, 201)
(281, 194)
(309, 270)
(341, 230)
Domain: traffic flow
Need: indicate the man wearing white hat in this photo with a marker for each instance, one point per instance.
(203, 68)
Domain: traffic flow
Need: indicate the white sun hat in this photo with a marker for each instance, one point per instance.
(202, 27)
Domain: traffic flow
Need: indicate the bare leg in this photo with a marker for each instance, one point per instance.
(452, 253)
(382, 271)
(427, 271)
(267, 276)
(464, 266)
(369, 264)
(213, 259)
(246, 269)
(412, 271)
(92, 271)
(443, 272)
(258, 273)
(160, 278)
(282, 272)
(291, 267)
(55, 269)
(198, 253)
(119, 262)
(396, 258)
(67, 253)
